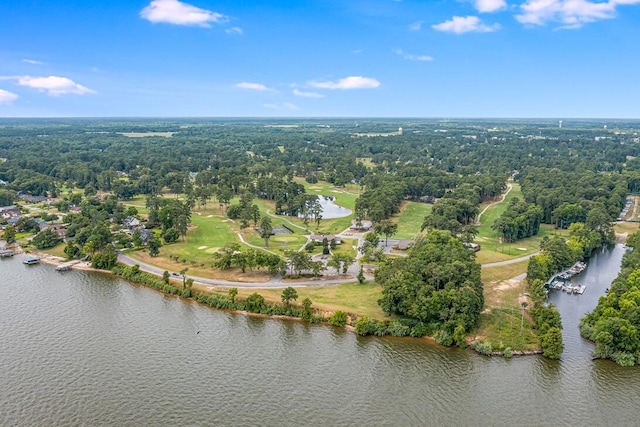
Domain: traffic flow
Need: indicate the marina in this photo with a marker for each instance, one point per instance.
(562, 281)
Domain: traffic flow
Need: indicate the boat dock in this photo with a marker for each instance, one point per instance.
(31, 260)
(4, 253)
(561, 280)
(67, 265)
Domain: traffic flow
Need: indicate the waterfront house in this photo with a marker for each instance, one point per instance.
(12, 211)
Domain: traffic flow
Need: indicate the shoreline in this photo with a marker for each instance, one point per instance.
(55, 260)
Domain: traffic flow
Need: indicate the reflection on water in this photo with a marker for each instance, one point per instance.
(82, 348)
(330, 210)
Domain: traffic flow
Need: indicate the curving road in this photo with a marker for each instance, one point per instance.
(276, 282)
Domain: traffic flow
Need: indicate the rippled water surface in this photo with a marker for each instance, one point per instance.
(87, 349)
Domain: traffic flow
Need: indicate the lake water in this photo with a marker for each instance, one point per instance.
(330, 210)
(82, 348)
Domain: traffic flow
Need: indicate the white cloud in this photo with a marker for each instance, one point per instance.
(351, 82)
(234, 30)
(178, 13)
(465, 24)
(7, 97)
(253, 86)
(302, 94)
(282, 106)
(488, 6)
(416, 26)
(54, 85)
(32, 62)
(412, 57)
(570, 13)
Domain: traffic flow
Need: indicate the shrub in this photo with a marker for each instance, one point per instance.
(365, 326)
(508, 353)
(338, 318)
(482, 347)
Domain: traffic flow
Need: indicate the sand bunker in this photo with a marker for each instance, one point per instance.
(202, 247)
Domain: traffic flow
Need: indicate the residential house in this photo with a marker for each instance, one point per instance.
(362, 225)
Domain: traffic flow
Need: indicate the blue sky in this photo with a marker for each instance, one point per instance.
(332, 58)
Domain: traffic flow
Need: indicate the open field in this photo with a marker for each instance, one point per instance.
(508, 327)
(366, 161)
(348, 297)
(410, 219)
(493, 251)
(206, 270)
(495, 211)
(626, 227)
(503, 321)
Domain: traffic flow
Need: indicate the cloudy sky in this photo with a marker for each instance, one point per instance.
(356, 58)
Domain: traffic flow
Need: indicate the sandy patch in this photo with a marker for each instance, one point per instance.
(507, 284)
(522, 249)
(212, 250)
(202, 247)
(209, 216)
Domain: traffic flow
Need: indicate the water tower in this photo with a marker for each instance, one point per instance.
(399, 131)
(559, 123)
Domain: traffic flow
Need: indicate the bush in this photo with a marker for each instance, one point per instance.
(338, 318)
(508, 353)
(365, 326)
(482, 347)
(623, 358)
(397, 329)
(419, 330)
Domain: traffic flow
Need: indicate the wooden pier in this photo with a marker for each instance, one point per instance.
(67, 265)
(4, 253)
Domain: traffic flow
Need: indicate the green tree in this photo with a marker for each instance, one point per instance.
(254, 303)
(387, 228)
(9, 234)
(233, 293)
(306, 309)
(266, 229)
(47, 238)
(361, 278)
(289, 294)
(154, 247)
(552, 346)
(165, 277)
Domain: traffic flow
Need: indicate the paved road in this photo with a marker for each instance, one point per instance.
(276, 282)
(509, 261)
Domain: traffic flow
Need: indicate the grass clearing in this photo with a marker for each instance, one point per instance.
(494, 251)
(410, 219)
(508, 327)
(348, 297)
(495, 211)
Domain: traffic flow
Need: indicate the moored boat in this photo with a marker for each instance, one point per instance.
(31, 260)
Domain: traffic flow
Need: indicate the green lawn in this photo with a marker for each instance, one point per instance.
(208, 233)
(348, 297)
(494, 212)
(410, 219)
